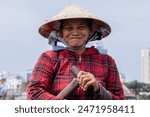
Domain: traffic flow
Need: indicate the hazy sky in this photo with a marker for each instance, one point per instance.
(21, 44)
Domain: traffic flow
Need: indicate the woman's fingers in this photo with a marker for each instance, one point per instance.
(86, 79)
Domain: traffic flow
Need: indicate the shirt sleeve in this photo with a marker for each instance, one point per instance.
(41, 78)
(113, 89)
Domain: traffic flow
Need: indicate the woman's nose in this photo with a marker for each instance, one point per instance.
(75, 32)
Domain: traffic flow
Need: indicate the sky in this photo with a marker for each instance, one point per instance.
(21, 44)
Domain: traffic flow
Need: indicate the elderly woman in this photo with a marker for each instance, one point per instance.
(75, 27)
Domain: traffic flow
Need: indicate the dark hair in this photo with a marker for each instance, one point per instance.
(90, 21)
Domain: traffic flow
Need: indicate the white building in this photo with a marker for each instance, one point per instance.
(145, 65)
(13, 81)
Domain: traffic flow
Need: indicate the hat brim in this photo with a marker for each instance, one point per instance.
(97, 24)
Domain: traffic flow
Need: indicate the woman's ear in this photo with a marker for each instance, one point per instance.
(91, 33)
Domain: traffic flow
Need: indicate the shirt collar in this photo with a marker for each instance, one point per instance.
(89, 51)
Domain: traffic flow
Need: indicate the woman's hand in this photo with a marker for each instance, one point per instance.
(86, 79)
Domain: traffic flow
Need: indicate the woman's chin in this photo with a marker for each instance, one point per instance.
(76, 47)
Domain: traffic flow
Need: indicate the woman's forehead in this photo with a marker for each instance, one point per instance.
(73, 21)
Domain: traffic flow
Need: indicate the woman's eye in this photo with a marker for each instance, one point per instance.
(82, 27)
(68, 28)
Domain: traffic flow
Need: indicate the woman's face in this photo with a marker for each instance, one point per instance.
(75, 32)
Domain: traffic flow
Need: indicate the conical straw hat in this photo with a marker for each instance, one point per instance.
(71, 12)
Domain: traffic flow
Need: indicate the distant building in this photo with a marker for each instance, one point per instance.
(145, 65)
(13, 81)
(28, 74)
(13, 84)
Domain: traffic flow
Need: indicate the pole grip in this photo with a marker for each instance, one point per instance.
(72, 86)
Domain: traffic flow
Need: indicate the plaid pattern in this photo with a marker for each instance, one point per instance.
(52, 73)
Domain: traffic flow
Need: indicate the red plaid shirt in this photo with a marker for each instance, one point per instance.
(52, 74)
